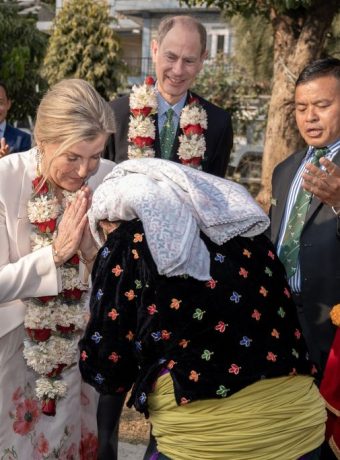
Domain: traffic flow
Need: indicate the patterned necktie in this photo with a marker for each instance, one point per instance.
(167, 135)
(291, 241)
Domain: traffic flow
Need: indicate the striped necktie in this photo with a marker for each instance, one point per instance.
(167, 135)
(291, 241)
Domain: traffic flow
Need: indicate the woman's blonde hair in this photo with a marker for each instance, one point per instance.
(72, 111)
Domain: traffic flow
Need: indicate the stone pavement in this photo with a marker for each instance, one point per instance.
(128, 451)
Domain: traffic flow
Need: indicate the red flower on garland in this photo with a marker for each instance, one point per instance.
(72, 294)
(65, 329)
(46, 227)
(40, 186)
(38, 335)
(142, 141)
(56, 371)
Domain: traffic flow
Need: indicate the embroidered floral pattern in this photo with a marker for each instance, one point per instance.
(204, 333)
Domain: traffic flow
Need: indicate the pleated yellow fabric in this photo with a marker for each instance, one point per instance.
(273, 419)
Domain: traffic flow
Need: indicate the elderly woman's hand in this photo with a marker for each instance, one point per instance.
(71, 228)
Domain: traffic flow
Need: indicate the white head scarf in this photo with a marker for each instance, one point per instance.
(175, 202)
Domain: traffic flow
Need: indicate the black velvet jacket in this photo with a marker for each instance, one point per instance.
(214, 337)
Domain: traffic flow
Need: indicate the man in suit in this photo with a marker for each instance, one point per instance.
(11, 139)
(178, 54)
(314, 277)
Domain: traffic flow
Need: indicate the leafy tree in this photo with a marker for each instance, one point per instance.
(83, 45)
(253, 47)
(299, 30)
(20, 59)
(226, 84)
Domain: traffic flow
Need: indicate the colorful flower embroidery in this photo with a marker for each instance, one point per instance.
(268, 272)
(198, 314)
(152, 309)
(297, 334)
(275, 334)
(114, 357)
(113, 314)
(96, 337)
(207, 355)
(194, 376)
(117, 270)
(211, 283)
(243, 272)
(222, 391)
(234, 369)
(221, 326)
(235, 297)
(135, 254)
(138, 237)
(184, 343)
(247, 253)
(256, 315)
(165, 334)
(245, 341)
(281, 312)
(130, 294)
(219, 258)
(271, 255)
(83, 355)
(271, 356)
(175, 304)
(263, 291)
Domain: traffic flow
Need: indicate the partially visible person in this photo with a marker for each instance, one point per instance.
(170, 121)
(11, 139)
(46, 252)
(190, 306)
(307, 239)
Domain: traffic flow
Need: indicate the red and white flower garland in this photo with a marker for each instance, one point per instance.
(52, 323)
(141, 134)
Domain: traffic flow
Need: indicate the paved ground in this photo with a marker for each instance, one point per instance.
(130, 451)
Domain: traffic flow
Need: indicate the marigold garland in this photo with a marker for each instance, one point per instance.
(142, 131)
(335, 315)
(53, 323)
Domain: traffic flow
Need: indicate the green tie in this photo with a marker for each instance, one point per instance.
(291, 241)
(167, 135)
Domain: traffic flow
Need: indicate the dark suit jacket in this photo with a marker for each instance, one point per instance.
(18, 140)
(319, 258)
(219, 136)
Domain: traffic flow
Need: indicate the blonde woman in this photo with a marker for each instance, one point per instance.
(45, 256)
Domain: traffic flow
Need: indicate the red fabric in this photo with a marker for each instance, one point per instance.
(330, 390)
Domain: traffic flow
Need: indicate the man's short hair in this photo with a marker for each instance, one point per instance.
(169, 22)
(3, 85)
(320, 68)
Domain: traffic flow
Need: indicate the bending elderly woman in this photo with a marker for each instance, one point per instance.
(45, 410)
(190, 306)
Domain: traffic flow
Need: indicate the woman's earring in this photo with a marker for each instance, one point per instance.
(38, 159)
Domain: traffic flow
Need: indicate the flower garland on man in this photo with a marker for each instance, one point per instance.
(141, 135)
(52, 323)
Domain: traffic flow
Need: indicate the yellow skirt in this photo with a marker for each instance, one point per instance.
(273, 419)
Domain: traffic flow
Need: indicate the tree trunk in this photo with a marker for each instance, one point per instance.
(298, 40)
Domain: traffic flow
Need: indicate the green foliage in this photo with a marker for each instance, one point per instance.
(226, 84)
(20, 60)
(332, 46)
(250, 7)
(253, 47)
(83, 45)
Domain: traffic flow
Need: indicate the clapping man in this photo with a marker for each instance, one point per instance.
(12, 139)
